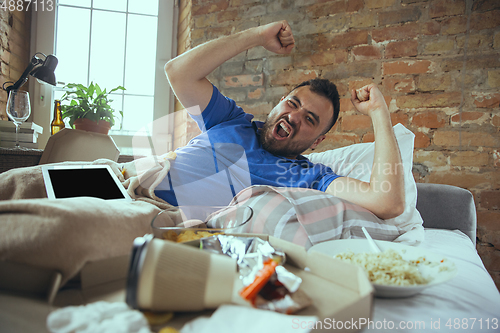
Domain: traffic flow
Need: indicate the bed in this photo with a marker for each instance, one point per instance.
(470, 302)
(440, 218)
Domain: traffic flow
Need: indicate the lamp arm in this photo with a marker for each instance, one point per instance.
(24, 77)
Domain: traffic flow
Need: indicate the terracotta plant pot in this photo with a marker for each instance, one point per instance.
(85, 124)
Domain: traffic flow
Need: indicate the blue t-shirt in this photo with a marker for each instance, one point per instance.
(227, 157)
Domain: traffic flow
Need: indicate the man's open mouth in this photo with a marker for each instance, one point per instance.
(282, 130)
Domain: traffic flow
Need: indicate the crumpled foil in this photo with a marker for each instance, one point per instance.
(250, 254)
(282, 293)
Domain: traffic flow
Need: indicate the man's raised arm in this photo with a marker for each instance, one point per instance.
(187, 73)
(384, 195)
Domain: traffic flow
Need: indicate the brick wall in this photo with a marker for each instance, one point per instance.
(436, 61)
(14, 49)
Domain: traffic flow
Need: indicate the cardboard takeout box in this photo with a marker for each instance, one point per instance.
(341, 293)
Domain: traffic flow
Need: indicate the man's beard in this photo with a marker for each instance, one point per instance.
(280, 148)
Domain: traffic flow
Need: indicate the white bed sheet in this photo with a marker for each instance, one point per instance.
(470, 302)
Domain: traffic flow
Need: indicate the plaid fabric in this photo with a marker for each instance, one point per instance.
(307, 217)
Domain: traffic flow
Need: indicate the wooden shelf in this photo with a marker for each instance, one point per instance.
(11, 158)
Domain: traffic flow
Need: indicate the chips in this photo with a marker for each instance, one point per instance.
(187, 235)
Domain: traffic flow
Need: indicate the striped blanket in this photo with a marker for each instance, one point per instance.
(307, 217)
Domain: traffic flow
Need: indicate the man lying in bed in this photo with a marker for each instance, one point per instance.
(233, 152)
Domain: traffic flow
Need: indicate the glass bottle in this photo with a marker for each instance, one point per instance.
(57, 124)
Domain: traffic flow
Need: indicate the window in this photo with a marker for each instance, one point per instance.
(115, 43)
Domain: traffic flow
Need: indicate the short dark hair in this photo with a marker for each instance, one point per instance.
(325, 88)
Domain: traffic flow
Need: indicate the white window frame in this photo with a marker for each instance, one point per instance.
(43, 40)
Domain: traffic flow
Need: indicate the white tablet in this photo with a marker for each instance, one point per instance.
(83, 180)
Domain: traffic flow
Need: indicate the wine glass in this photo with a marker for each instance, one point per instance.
(18, 109)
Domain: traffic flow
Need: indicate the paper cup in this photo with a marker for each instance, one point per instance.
(166, 276)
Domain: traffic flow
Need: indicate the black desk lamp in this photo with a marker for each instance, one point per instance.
(42, 70)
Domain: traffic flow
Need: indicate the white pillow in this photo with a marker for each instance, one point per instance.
(356, 161)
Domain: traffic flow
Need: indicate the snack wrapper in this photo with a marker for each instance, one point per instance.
(267, 283)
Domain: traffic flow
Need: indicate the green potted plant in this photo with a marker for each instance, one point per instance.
(89, 107)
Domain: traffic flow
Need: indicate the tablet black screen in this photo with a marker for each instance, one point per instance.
(68, 183)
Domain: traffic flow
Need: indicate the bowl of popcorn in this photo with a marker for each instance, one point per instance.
(186, 223)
